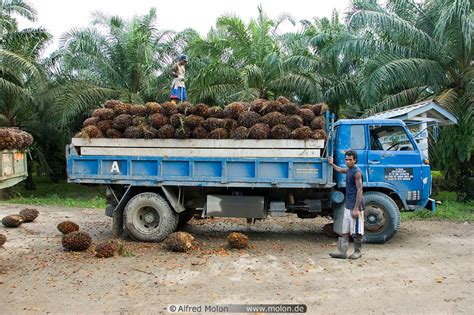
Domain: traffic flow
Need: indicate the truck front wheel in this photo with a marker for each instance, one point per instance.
(382, 217)
(149, 218)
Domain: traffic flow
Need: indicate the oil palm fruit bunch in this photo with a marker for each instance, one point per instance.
(77, 241)
(12, 221)
(67, 227)
(233, 110)
(260, 119)
(179, 242)
(259, 131)
(29, 214)
(105, 250)
(248, 119)
(14, 138)
(90, 132)
(238, 240)
(239, 133)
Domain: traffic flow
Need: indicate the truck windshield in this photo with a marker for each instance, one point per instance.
(389, 138)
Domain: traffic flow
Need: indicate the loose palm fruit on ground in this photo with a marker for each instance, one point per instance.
(67, 227)
(238, 240)
(77, 241)
(179, 242)
(13, 220)
(29, 214)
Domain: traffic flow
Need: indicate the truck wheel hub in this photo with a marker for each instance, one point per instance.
(374, 218)
(149, 218)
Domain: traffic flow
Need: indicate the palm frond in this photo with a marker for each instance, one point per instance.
(402, 98)
(20, 7)
(79, 98)
(448, 99)
(352, 45)
(395, 27)
(391, 74)
(19, 62)
(13, 89)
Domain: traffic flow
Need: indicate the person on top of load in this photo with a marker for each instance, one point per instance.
(178, 89)
(353, 219)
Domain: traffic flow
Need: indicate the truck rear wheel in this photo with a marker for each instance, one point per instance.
(149, 218)
(382, 217)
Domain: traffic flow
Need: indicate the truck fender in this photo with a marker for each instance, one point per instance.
(392, 188)
(172, 199)
(375, 186)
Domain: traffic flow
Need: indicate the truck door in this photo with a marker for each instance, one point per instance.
(354, 137)
(393, 157)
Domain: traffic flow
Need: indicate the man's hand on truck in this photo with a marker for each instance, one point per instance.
(337, 168)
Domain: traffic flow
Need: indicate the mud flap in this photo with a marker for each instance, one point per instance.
(117, 224)
(431, 205)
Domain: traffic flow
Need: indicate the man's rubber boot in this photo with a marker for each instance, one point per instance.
(357, 250)
(341, 248)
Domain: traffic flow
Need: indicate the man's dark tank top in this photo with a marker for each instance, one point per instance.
(351, 188)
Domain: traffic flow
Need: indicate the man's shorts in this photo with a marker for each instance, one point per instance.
(351, 225)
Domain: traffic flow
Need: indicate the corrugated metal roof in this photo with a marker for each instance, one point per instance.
(414, 110)
(368, 121)
(399, 111)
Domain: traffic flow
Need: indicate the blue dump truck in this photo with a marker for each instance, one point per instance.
(157, 185)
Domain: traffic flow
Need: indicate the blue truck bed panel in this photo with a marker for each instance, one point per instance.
(199, 171)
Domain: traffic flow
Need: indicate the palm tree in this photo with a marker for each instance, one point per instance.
(238, 61)
(19, 66)
(8, 10)
(112, 58)
(338, 76)
(23, 83)
(415, 51)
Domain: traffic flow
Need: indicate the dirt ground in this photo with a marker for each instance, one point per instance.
(426, 268)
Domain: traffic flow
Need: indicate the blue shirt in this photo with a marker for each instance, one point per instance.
(351, 188)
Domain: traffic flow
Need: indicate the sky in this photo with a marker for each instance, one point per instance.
(59, 16)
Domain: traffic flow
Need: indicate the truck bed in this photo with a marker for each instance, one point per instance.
(13, 166)
(199, 162)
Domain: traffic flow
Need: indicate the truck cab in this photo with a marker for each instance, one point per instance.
(392, 165)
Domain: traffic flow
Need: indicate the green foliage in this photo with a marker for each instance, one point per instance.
(24, 87)
(415, 51)
(450, 210)
(112, 59)
(242, 62)
(60, 194)
(123, 251)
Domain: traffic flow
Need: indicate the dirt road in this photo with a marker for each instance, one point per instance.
(426, 268)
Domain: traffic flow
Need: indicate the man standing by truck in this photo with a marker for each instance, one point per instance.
(353, 218)
(178, 89)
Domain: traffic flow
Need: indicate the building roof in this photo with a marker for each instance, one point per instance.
(369, 121)
(424, 111)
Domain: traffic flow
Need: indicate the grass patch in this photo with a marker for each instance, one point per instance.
(122, 251)
(59, 194)
(449, 210)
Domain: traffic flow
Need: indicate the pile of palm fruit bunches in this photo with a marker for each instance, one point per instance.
(14, 138)
(260, 119)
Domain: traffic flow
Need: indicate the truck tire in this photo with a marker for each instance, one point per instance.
(184, 218)
(382, 217)
(149, 218)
